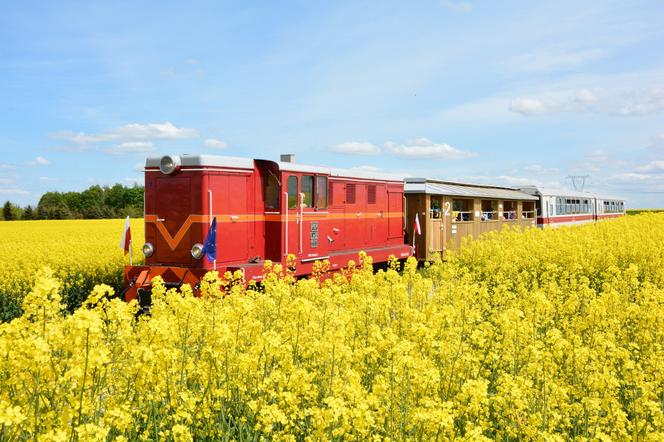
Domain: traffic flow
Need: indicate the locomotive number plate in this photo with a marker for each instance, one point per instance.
(313, 234)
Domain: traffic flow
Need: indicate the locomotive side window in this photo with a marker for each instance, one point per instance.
(321, 192)
(350, 193)
(272, 188)
(308, 190)
(292, 192)
(371, 194)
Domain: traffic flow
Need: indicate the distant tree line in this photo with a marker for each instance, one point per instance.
(95, 202)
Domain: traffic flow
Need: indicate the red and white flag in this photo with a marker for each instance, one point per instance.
(416, 227)
(125, 243)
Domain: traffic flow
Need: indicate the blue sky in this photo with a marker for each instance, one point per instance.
(511, 92)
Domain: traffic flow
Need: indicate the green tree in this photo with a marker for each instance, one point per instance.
(28, 213)
(7, 212)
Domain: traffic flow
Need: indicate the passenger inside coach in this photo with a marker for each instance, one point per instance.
(435, 208)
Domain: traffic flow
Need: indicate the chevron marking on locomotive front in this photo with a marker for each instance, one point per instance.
(173, 241)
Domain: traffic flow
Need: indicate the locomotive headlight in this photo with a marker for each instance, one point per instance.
(148, 249)
(197, 251)
(169, 164)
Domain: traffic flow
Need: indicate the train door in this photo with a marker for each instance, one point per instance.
(292, 215)
(313, 216)
(395, 207)
(377, 213)
(435, 232)
(229, 205)
(354, 236)
(172, 208)
(336, 230)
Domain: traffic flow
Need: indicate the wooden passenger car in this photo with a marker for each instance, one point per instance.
(449, 211)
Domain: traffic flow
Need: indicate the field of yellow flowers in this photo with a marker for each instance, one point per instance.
(82, 253)
(544, 335)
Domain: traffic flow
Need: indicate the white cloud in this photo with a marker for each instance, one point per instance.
(555, 59)
(39, 161)
(14, 191)
(597, 156)
(47, 179)
(541, 170)
(130, 132)
(215, 144)
(356, 148)
(131, 147)
(457, 6)
(152, 131)
(652, 167)
(424, 148)
(625, 103)
(508, 181)
(7, 166)
(529, 106)
(631, 177)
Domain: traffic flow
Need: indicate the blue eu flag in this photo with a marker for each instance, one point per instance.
(210, 244)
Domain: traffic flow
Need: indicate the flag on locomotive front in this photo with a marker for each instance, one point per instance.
(210, 243)
(125, 243)
(416, 228)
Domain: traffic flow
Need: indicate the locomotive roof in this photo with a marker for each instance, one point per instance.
(451, 188)
(569, 193)
(206, 160)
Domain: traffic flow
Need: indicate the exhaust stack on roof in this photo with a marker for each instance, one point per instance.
(287, 158)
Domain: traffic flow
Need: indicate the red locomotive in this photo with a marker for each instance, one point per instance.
(265, 210)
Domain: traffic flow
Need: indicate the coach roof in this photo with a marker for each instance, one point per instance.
(567, 193)
(464, 190)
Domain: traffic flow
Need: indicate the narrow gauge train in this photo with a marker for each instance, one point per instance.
(267, 210)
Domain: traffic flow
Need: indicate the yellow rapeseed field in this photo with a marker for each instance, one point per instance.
(81, 253)
(541, 335)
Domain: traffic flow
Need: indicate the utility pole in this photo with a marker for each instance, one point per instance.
(579, 181)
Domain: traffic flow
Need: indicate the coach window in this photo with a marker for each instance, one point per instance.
(462, 210)
(308, 190)
(509, 210)
(292, 192)
(489, 212)
(321, 192)
(528, 209)
(434, 211)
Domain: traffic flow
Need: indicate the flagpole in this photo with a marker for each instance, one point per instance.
(131, 254)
